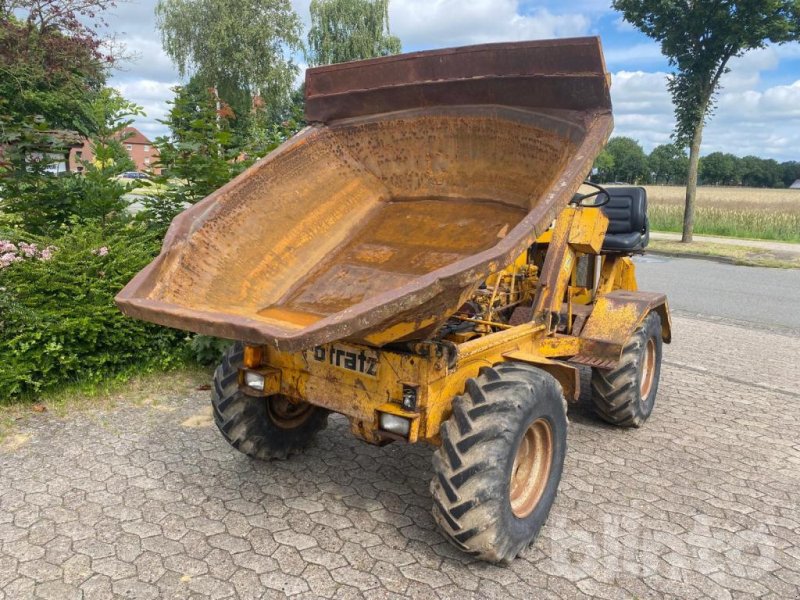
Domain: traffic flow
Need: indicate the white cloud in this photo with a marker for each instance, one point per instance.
(441, 23)
(782, 101)
(745, 71)
(622, 25)
(750, 119)
(642, 107)
(152, 96)
(147, 60)
(640, 92)
(745, 122)
(637, 54)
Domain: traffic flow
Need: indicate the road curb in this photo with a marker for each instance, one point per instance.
(713, 258)
(718, 259)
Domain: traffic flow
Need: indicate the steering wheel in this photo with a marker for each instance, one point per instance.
(599, 191)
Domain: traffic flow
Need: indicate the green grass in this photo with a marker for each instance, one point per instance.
(738, 255)
(765, 214)
(131, 378)
(7, 423)
(752, 223)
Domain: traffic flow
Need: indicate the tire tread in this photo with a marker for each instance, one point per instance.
(466, 473)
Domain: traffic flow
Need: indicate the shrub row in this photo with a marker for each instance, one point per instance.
(58, 321)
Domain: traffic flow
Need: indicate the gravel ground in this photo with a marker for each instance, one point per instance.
(145, 500)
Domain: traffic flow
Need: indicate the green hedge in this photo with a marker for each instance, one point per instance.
(58, 321)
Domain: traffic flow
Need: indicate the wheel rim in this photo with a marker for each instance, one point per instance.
(531, 468)
(287, 414)
(648, 370)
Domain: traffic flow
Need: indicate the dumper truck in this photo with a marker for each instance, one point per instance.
(420, 260)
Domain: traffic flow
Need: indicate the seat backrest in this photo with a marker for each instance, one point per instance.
(626, 210)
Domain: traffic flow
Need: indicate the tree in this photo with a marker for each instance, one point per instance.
(790, 172)
(629, 160)
(668, 164)
(604, 166)
(202, 151)
(760, 172)
(699, 38)
(719, 168)
(241, 49)
(52, 60)
(44, 202)
(345, 30)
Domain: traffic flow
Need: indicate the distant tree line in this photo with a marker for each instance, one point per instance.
(624, 160)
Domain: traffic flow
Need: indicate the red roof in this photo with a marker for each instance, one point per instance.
(131, 135)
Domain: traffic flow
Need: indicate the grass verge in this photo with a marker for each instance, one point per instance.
(766, 214)
(136, 389)
(737, 255)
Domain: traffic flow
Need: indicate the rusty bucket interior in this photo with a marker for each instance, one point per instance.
(417, 176)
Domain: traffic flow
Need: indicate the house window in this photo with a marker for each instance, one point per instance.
(129, 147)
(147, 162)
(146, 148)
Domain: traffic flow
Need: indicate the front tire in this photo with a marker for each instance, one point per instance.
(626, 396)
(497, 471)
(263, 428)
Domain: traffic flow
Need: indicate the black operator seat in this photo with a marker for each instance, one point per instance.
(628, 227)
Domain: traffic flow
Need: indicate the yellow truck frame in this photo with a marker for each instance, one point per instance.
(419, 384)
(416, 260)
(407, 394)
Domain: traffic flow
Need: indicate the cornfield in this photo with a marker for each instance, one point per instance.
(767, 214)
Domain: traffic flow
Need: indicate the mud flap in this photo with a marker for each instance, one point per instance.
(615, 317)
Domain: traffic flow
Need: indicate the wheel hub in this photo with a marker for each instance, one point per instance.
(648, 370)
(286, 413)
(531, 468)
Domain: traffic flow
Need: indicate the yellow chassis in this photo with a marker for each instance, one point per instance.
(361, 382)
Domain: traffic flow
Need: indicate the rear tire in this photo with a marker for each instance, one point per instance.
(626, 396)
(263, 428)
(497, 471)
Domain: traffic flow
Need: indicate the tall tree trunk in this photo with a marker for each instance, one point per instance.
(691, 184)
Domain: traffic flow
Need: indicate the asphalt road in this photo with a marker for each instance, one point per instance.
(748, 295)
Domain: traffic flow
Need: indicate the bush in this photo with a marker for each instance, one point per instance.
(58, 321)
(207, 350)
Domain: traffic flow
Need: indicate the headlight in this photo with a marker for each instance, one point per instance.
(254, 380)
(394, 424)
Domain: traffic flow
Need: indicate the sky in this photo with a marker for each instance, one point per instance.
(757, 113)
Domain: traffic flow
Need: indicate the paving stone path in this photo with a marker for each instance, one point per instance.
(149, 502)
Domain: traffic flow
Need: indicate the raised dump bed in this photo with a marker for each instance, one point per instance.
(418, 175)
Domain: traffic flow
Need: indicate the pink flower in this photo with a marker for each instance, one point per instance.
(29, 250)
(8, 258)
(101, 251)
(6, 246)
(47, 253)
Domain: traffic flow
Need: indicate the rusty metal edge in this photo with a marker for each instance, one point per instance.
(591, 40)
(454, 76)
(133, 302)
